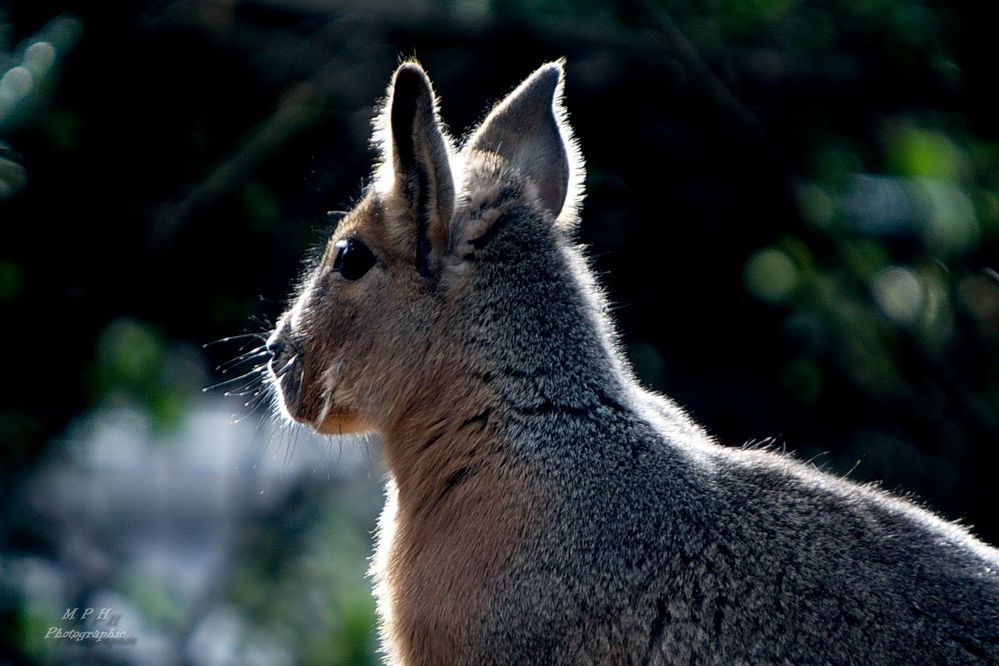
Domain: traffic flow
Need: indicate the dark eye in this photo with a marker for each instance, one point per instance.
(353, 259)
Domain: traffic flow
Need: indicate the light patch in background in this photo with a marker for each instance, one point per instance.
(771, 276)
(939, 212)
(39, 58)
(900, 294)
(951, 226)
(26, 81)
(15, 85)
(162, 527)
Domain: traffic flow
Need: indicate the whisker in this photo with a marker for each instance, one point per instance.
(263, 320)
(287, 366)
(258, 392)
(257, 445)
(253, 388)
(247, 388)
(233, 338)
(256, 370)
(256, 352)
(258, 399)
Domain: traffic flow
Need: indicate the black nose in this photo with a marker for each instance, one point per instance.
(276, 346)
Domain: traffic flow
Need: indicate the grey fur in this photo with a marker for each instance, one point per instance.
(526, 133)
(653, 544)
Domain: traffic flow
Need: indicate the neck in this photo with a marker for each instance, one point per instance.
(543, 354)
(442, 436)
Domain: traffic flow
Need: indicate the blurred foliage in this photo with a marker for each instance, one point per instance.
(795, 203)
(303, 582)
(134, 363)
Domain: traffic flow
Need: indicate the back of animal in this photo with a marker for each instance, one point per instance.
(542, 508)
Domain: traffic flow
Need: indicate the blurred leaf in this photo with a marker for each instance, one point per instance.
(920, 152)
(133, 362)
(771, 276)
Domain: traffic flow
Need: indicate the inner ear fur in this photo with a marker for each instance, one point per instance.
(528, 129)
(419, 156)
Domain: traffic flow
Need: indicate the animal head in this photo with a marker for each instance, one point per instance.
(385, 312)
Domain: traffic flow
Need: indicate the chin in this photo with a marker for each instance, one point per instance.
(338, 421)
(342, 422)
(309, 410)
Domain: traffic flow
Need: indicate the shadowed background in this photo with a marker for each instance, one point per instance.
(794, 206)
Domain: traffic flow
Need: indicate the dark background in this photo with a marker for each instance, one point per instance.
(794, 207)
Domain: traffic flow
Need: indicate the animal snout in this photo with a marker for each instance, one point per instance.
(275, 346)
(279, 349)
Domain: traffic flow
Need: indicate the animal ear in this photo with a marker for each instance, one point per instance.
(528, 129)
(417, 162)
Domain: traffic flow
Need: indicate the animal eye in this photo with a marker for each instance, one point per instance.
(353, 259)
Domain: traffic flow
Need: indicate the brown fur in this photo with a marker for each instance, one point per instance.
(438, 572)
(450, 524)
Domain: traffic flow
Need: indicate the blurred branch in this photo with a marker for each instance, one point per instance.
(286, 51)
(700, 73)
(300, 109)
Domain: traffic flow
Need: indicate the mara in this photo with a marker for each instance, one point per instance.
(542, 508)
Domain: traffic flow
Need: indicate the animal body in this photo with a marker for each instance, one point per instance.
(542, 507)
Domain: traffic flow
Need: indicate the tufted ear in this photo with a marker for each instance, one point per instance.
(417, 162)
(529, 130)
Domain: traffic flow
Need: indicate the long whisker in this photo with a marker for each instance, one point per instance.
(259, 391)
(264, 321)
(257, 399)
(233, 338)
(256, 352)
(253, 387)
(256, 370)
(287, 366)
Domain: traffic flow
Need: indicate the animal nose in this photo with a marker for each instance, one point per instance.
(275, 346)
